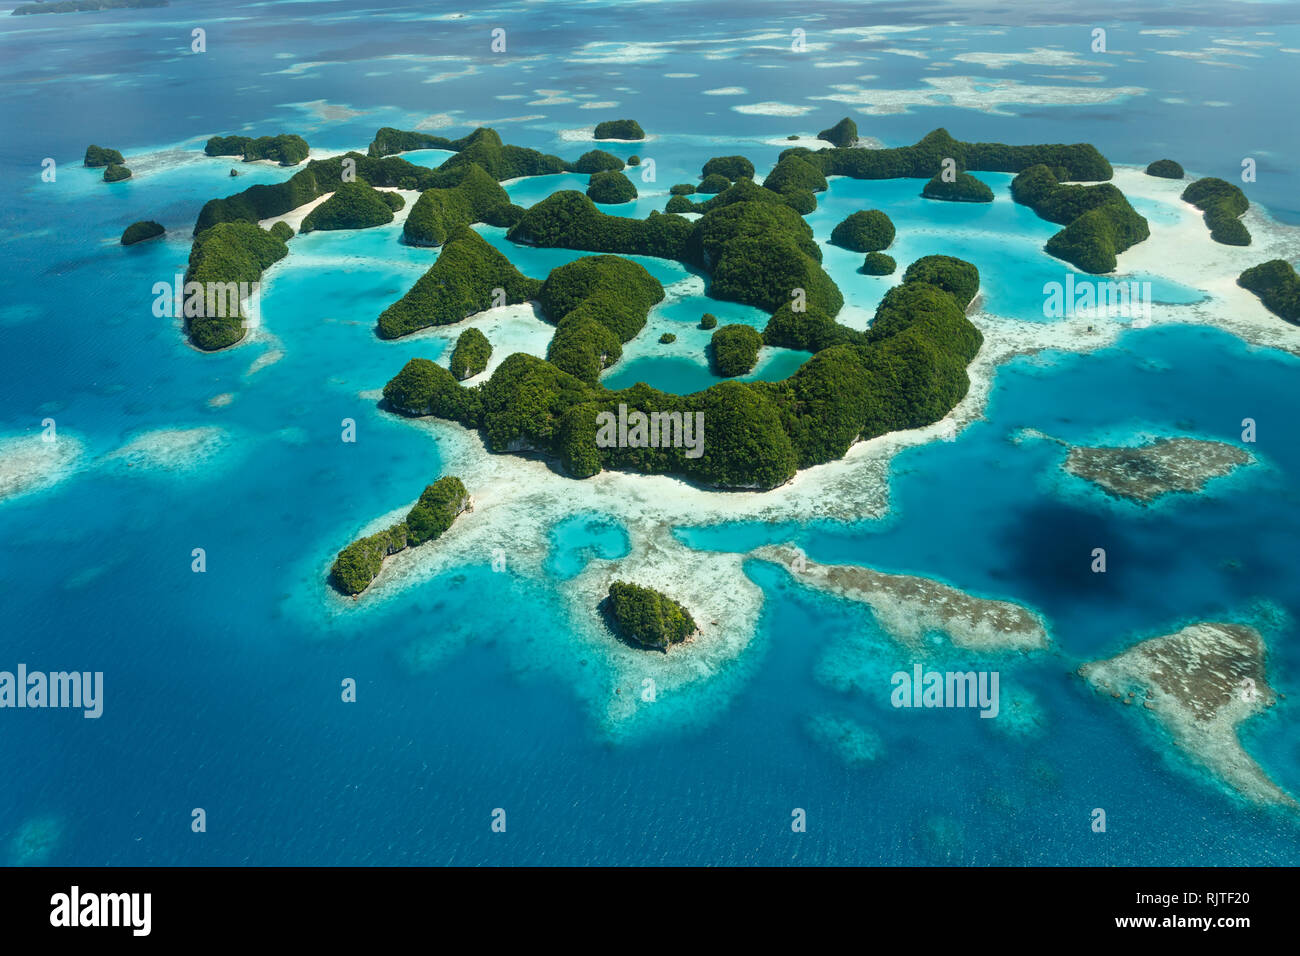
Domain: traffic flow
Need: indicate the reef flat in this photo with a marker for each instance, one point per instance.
(1200, 683)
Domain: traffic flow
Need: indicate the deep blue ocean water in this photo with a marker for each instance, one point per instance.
(222, 689)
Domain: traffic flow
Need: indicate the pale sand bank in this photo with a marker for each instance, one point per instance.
(1200, 684)
(908, 607)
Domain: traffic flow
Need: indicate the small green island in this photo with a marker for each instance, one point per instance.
(878, 264)
(734, 349)
(287, 149)
(645, 617)
(1165, 169)
(962, 188)
(1099, 221)
(668, 338)
(141, 231)
(471, 354)
(439, 505)
(116, 173)
(354, 205)
(619, 129)
(1278, 287)
(708, 321)
(868, 230)
(1223, 205)
(843, 134)
(102, 156)
(610, 187)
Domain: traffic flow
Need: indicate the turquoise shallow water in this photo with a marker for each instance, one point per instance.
(222, 689)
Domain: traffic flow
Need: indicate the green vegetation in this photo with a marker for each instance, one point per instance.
(713, 183)
(1166, 169)
(570, 220)
(471, 354)
(502, 161)
(708, 321)
(229, 252)
(140, 231)
(286, 149)
(634, 160)
(808, 331)
(869, 230)
(458, 285)
(759, 253)
(679, 204)
(795, 174)
(596, 161)
(1223, 205)
(843, 134)
(1099, 222)
(878, 264)
(474, 197)
(1278, 287)
(645, 617)
(439, 505)
(681, 189)
(610, 187)
(113, 173)
(597, 303)
(78, 6)
(102, 156)
(355, 205)
(1079, 161)
(667, 338)
(282, 231)
(619, 129)
(907, 371)
(793, 136)
(388, 141)
(359, 563)
(735, 349)
(964, 188)
(732, 167)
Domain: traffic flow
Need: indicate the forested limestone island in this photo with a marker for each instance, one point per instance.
(734, 349)
(459, 284)
(287, 149)
(79, 6)
(1099, 222)
(1223, 205)
(869, 230)
(1278, 287)
(610, 188)
(878, 264)
(354, 205)
(730, 168)
(359, 563)
(228, 252)
(596, 161)
(115, 173)
(619, 129)
(843, 134)
(712, 184)
(102, 156)
(645, 617)
(471, 354)
(906, 371)
(1165, 169)
(962, 188)
(140, 231)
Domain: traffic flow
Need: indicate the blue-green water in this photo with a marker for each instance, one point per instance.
(222, 689)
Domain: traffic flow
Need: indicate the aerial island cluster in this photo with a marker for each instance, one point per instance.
(906, 371)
